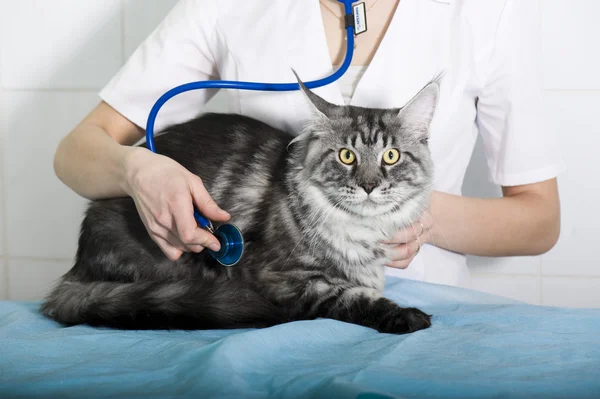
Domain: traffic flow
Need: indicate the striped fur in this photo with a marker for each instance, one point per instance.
(311, 229)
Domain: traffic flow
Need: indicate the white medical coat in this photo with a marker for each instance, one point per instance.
(488, 51)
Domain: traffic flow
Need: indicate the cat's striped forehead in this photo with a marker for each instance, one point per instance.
(371, 129)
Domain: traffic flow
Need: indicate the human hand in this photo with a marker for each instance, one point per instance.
(406, 243)
(164, 193)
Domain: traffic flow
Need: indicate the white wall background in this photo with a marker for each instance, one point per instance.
(56, 54)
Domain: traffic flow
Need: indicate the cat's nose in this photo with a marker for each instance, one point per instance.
(369, 186)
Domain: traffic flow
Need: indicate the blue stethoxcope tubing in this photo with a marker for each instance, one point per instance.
(229, 236)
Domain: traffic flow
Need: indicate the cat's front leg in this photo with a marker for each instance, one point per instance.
(365, 306)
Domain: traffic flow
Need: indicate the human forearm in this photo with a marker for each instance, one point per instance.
(92, 163)
(525, 223)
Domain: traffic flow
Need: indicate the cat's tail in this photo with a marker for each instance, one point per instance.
(159, 305)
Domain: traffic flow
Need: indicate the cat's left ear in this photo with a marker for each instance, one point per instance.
(417, 114)
(319, 106)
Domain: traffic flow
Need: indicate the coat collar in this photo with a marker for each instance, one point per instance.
(406, 59)
(395, 58)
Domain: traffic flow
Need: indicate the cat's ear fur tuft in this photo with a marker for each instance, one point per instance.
(321, 112)
(418, 113)
(319, 106)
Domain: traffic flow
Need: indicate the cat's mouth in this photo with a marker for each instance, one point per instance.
(361, 205)
(368, 206)
(370, 201)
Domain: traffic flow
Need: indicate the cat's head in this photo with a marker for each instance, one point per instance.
(368, 161)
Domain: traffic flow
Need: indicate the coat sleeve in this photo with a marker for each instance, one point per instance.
(520, 142)
(178, 51)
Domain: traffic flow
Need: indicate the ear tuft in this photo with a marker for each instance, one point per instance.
(319, 106)
(418, 113)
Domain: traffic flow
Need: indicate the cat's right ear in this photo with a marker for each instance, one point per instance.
(418, 113)
(319, 106)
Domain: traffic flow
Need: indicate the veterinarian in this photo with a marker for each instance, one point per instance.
(489, 53)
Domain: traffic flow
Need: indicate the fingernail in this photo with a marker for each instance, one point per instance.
(214, 246)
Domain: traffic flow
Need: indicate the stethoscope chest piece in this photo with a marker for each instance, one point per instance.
(232, 245)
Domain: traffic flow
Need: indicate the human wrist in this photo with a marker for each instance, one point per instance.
(427, 236)
(430, 221)
(130, 161)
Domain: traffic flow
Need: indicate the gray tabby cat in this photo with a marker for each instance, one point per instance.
(313, 210)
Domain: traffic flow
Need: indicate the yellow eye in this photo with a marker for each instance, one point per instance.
(391, 156)
(347, 156)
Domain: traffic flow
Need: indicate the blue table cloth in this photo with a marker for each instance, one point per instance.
(479, 346)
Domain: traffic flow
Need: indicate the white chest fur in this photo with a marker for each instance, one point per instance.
(355, 244)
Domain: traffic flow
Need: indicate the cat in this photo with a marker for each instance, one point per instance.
(313, 210)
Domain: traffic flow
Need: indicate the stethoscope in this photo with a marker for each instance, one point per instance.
(229, 236)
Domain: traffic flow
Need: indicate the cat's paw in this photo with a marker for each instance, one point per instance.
(404, 321)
